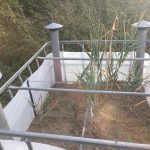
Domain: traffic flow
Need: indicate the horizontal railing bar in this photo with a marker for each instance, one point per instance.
(90, 41)
(81, 91)
(80, 140)
(23, 67)
(105, 59)
(98, 83)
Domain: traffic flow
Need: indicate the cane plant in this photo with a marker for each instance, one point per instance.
(95, 75)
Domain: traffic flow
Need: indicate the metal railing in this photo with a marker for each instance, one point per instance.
(79, 140)
(80, 91)
(36, 57)
(42, 49)
(74, 139)
(26, 65)
(87, 59)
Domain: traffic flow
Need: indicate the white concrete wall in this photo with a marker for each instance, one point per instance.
(19, 112)
(73, 67)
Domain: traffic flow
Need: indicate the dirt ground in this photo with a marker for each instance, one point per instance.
(118, 118)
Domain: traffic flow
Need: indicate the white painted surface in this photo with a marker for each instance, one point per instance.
(16, 145)
(146, 77)
(3, 120)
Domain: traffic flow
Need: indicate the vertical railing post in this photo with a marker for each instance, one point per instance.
(141, 46)
(54, 34)
(32, 101)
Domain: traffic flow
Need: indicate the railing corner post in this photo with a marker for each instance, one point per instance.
(54, 34)
(141, 46)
